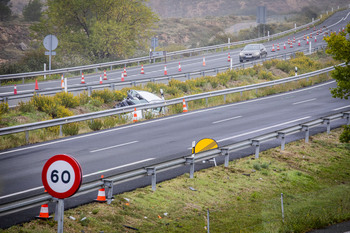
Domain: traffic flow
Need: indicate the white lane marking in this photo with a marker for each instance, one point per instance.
(114, 168)
(255, 131)
(111, 147)
(228, 119)
(336, 109)
(304, 101)
(164, 119)
(87, 175)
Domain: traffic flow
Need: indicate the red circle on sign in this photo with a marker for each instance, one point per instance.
(60, 177)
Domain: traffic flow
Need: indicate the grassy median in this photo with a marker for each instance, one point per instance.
(246, 197)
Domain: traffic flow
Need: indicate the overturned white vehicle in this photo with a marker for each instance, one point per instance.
(136, 97)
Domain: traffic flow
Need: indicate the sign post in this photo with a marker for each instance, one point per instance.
(50, 43)
(61, 177)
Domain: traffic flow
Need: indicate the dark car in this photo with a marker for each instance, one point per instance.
(252, 51)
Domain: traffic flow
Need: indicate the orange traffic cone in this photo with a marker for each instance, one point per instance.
(100, 79)
(15, 90)
(101, 195)
(134, 118)
(291, 45)
(293, 39)
(299, 43)
(273, 48)
(104, 75)
(315, 39)
(310, 35)
(142, 70)
(180, 67)
(308, 27)
(228, 57)
(165, 71)
(304, 37)
(203, 61)
(82, 78)
(44, 212)
(278, 47)
(125, 74)
(284, 46)
(184, 107)
(62, 81)
(122, 77)
(36, 85)
(307, 41)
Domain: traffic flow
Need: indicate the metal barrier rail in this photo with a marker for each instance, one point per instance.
(88, 116)
(147, 58)
(36, 200)
(112, 85)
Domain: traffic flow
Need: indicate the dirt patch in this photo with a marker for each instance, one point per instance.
(279, 73)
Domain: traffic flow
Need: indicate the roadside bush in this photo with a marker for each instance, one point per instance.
(97, 101)
(105, 94)
(83, 98)
(42, 102)
(70, 129)
(265, 75)
(4, 108)
(26, 106)
(63, 112)
(119, 95)
(95, 124)
(109, 122)
(67, 100)
(285, 66)
(345, 135)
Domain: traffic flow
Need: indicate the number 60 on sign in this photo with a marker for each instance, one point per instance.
(61, 176)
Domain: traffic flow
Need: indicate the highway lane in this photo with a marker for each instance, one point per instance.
(194, 63)
(20, 168)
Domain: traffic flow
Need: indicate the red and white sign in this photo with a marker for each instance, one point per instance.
(61, 176)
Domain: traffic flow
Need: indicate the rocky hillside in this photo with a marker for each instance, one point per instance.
(202, 8)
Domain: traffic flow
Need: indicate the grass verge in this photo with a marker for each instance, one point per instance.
(245, 197)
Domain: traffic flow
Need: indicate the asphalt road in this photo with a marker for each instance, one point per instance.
(137, 145)
(190, 64)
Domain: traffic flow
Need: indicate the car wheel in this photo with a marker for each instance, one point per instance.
(240, 60)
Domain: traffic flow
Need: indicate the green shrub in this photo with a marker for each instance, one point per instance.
(26, 106)
(70, 129)
(345, 135)
(97, 101)
(4, 108)
(95, 124)
(285, 66)
(109, 122)
(106, 94)
(119, 95)
(83, 98)
(63, 112)
(257, 166)
(67, 100)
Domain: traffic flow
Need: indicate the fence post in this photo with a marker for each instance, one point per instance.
(224, 152)
(256, 143)
(151, 171)
(208, 221)
(190, 161)
(282, 136)
(282, 207)
(109, 184)
(307, 132)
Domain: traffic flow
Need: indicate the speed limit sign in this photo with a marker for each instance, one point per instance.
(61, 176)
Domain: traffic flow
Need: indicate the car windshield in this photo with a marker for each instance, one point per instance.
(251, 47)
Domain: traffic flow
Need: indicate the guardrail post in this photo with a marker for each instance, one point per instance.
(190, 161)
(203, 73)
(256, 143)
(224, 99)
(60, 130)
(347, 116)
(328, 122)
(27, 136)
(216, 71)
(89, 91)
(109, 184)
(206, 102)
(151, 171)
(188, 76)
(111, 68)
(96, 69)
(112, 85)
(307, 132)
(152, 80)
(282, 136)
(224, 152)
(133, 84)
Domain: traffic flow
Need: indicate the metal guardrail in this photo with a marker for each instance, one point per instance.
(112, 85)
(88, 116)
(147, 58)
(36, 200)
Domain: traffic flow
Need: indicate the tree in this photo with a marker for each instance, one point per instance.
(98, 29)
(32, 11)
(5, 10)
(339, 48)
